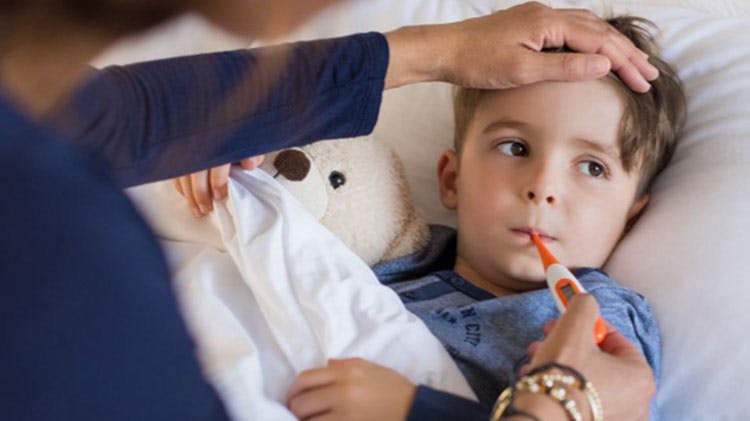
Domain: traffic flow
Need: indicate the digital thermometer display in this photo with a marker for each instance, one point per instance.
(568, 291)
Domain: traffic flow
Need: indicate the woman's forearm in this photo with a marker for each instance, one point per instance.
(165, 118)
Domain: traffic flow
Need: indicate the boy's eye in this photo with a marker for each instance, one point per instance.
(593, 169)
(513, 148)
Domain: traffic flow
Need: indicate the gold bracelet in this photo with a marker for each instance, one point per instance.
(597, 412)
(502, 403)
(555, 386)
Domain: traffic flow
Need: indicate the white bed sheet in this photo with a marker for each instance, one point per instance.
(268, 292)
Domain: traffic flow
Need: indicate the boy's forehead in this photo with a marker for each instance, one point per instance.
(590, 106)
(604, 90)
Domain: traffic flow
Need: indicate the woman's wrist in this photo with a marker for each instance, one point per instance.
(544, 407)
(549, 392)
(421, 53)
(540, 406)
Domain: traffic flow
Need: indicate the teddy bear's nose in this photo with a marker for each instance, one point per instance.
(292, 164)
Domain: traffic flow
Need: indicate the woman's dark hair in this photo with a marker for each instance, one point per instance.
(117, 17)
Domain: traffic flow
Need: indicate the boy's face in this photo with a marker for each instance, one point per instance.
(541, 158)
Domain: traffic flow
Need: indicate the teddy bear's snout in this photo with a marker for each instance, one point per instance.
(293, 164)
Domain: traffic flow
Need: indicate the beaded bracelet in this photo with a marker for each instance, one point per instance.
(540, 380)
(548, 384)
(588, 389)
(597, 412)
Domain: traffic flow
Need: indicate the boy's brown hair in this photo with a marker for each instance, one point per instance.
(650, 123)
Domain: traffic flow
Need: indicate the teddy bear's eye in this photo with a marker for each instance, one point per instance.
(336, 179)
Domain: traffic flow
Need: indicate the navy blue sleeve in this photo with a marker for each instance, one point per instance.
(431, 404)
(89, 326)
(164, 118)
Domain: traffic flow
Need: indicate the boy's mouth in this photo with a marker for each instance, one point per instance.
(529, 231)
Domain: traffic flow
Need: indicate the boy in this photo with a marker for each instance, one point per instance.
(571, 162)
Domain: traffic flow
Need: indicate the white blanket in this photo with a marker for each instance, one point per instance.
(268, 292)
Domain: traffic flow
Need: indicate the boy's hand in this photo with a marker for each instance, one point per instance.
(201, 188)
(351, 389)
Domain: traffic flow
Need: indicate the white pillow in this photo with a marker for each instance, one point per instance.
(686, 252)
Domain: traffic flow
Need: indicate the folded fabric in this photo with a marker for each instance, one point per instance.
(268, 292)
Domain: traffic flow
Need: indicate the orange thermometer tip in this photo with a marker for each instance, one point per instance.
(547, 257)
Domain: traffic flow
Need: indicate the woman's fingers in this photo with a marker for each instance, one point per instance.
(583, 310)
(218, 178)
(252, 162)
(201, 188)
(178, 186)
(549, 326)
(202, 192)
(617, 344)
(587, 35)
(186, 187)
(616, 367)
(598, 48)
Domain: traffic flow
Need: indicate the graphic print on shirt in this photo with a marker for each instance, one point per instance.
(467, 320)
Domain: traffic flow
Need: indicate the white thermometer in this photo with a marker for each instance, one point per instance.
(564, 285)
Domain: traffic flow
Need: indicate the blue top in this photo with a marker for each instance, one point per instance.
(487, 335)
(89, 324)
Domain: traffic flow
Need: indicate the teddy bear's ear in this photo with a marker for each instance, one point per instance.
(295, 169)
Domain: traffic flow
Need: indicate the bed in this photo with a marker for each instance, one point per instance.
(686, 254)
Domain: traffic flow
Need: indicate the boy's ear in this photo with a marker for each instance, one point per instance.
(447, 172)
(635, 212)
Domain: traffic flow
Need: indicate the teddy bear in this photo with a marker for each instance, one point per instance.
(357, 188)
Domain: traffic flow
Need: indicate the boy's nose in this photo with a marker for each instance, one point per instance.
(533, 196)
(542, 183)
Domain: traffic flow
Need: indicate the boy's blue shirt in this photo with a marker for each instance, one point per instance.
(488, 336)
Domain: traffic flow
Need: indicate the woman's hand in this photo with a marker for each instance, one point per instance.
(351, 389)
(616, 368)
(503, 50)
(201, 188)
